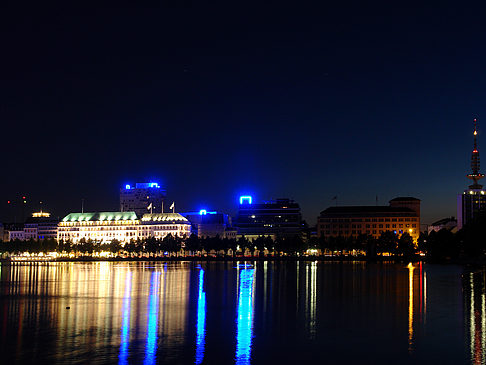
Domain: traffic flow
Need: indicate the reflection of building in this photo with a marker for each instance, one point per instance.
(210, 224)
(446, 223)
(141, 197)
(121, 226)
(402, 215)
(276, 218)
(472, 200)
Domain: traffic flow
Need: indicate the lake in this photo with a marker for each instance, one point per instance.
(241, 313)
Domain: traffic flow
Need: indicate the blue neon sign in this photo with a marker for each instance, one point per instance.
(245, 198)
(244, 319)
(201, 320)
(203, 212)
(127, 186)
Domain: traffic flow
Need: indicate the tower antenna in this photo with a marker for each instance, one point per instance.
(475, 175)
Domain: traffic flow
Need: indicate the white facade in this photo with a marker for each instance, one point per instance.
(121, 226)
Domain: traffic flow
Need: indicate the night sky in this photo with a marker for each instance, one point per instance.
(214, 101)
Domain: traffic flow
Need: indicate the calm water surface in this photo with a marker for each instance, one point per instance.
(232, 313)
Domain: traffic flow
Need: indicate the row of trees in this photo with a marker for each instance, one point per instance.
(468, 242)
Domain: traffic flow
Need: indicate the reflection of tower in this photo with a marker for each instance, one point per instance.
(473, 200)
(476, 318)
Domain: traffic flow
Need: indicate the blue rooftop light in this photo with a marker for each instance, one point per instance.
(203, 212)
(246, 198)
(127, 186)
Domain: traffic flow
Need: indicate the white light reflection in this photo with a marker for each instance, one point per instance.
(311, 297)
(123, 356)
(244, 320)
(201, 320)
(153, 311)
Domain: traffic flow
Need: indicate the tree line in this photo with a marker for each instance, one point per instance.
(469, 242)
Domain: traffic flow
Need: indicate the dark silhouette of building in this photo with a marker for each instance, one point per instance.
(276, 218)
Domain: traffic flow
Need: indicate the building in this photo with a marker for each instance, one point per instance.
(13, 231)
(402, 215)
(275, 218)
(105, 227)
(211, 224)
(447, 223)
(41, 226)
(472, 200)
(142, 198)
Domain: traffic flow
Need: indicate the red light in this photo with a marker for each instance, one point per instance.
(23, 197)
(475, 151)
(8, 201)
(474, 119)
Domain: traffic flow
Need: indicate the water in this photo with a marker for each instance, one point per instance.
(232, 313)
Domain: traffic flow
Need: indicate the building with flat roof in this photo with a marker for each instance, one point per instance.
(210, 224)
(275, 218)
(473, 200)
(402, 215)
(41, 226)
(142, 198)
(121, 226)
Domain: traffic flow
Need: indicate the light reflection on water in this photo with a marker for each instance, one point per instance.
(201, 319)
(182, 312)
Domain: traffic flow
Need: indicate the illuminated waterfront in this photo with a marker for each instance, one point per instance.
(253, 313)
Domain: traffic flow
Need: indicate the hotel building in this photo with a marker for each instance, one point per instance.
(473, 200)
(402, 215)
(122, 226)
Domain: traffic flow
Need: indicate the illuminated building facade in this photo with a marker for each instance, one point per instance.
(121, 226)
(210, 224)
(276, 218)
(41, 226)
(473, 200)
(142, 198)
(402, 215)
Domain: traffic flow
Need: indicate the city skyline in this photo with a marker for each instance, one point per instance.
(283, 103)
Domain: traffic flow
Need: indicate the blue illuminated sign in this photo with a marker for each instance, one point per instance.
(201, 320)
(203, 212)
(246, 198)
(127, 187)
(244, 319)
(153, 313)
(154, 185)
(125, 330)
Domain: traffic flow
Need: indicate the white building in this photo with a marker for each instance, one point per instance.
(121, 226)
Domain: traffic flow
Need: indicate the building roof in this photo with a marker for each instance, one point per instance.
(164, 217)
(444, 221)
(367, 210)
(404, 199)
(100, 216)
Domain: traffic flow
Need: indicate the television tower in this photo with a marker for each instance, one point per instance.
(475, 176)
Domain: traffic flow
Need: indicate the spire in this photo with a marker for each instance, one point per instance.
(475, 175)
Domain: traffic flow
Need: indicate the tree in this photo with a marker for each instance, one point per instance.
(387, 242)
(406, 246)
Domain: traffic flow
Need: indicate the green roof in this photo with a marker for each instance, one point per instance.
(164, 217)
(100, 216)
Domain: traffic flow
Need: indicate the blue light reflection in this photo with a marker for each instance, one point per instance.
(153, 312)
(201, 320)
(244, 320)
(125, 330)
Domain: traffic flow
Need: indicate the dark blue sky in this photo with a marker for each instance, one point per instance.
(275, 100)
